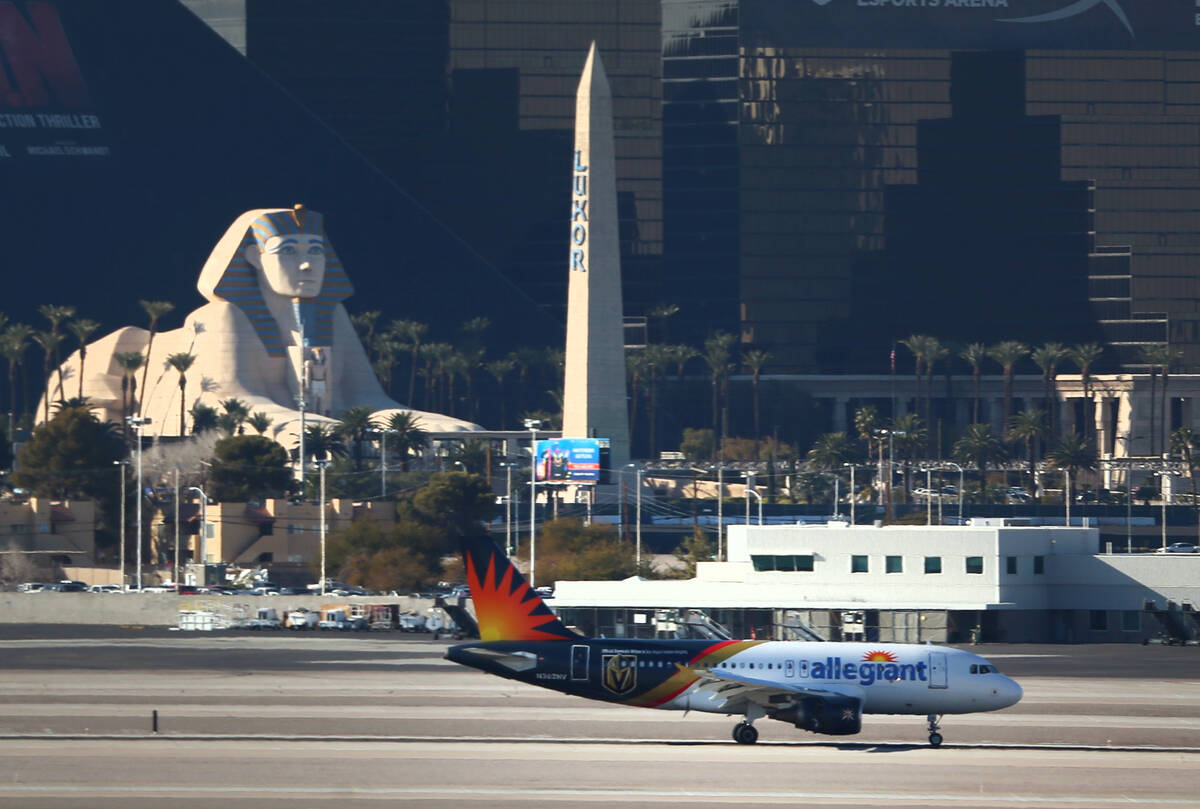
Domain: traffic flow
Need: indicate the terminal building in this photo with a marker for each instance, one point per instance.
(989, 581)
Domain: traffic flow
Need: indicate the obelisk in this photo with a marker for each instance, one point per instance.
(594, 388)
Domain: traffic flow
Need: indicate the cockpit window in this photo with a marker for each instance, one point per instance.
(983, 669)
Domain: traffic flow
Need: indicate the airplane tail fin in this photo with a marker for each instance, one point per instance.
(506, 607)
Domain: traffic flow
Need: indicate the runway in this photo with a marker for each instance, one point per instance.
(332, 720)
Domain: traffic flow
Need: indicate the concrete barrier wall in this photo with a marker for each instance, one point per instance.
(162, 609)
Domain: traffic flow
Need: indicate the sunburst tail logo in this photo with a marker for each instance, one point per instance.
(879, 656)
(505, 606)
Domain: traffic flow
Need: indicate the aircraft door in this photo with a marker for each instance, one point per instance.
(937, 669)
(579, 662)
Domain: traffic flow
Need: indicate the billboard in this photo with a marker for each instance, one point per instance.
(572, 460)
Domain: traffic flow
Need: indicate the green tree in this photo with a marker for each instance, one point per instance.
(1048, 357)
(154, 310)
(235, 415)
(697, 445)
(718, 353)
(569, 550)
(249, 467)
(356, 423)
(696, 547)
(322, 441)
(909, 437)
(830, 451)
(756, 359)
(71, 455)
(181, 361)
(935, 352)
(260, 421)
(1185, 441)
(457, 503)
(56, 315)
(472, 453)
(981, 447)
(1072, 453)
(204, 418)
(407, 438)
(974, 354)
(13, 345)
(83, 329)
(1085, 356)
(402, 556)
(1028, 426)
(411, 333)
(499, 369)
(128, 362)
(1008, 354)
(49, 342)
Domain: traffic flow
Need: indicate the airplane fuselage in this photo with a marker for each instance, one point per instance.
(672, 674)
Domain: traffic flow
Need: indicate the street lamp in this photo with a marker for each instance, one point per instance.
(200, 549)
(750, 490)
(121, 547)
(383, 434)
(321, 464)
(532, 425)
(137, 422)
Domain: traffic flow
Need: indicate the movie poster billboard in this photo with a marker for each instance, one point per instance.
(572, 460)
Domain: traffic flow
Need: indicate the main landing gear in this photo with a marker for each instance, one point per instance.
(935, 738)
(744, 733)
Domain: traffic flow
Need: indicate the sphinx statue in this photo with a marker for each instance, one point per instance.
(274, 327)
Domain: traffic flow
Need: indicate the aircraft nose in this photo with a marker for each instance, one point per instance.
(1008, 692)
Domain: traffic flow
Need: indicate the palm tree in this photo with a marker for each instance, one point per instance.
(181, 362)
(917, 345)
(658, 357)
(526, 359)
(154, 310)
(322, 440)
(356, 423)
(13, 345)
(756, 359)
(56, 315)
(364, 326)
(1028, 426)
(129, 362)
(385, 347)
(830, 451)
(1185, 442)
(500, 369)
(1085, 355)
(981, 447)
(1155, 356)
(935, 352)
(235, 415)
(407, 436)
(1008, 354)
(204, 418)
(49, 341)
(636, 368)
(909, 437)
(660, 315)
(1048, 357)
(260, 421)
(1072, 452)
(975, 354)
(718, 350)
(83, 329)
(412, 334)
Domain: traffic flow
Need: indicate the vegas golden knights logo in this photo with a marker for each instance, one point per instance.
(620, 673)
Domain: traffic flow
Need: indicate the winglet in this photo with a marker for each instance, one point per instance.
(506, 608)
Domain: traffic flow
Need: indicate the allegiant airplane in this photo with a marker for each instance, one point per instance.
(822, 687)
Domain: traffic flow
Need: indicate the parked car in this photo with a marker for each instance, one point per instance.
(32, 587)
(1180, 547)
(105, 588)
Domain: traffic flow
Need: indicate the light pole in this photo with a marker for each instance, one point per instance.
(300, 404)
(852, 491)
(720, 509)
(321, 464)
(383, 434)
(960, 487)
(638, 518)
(929, 496)
(121, 546)
(1067, 493)
(137, 422)
(1162, 493)
(750, 490)
(508, 540)
(532, 425)
(176, 576)
(200, 549)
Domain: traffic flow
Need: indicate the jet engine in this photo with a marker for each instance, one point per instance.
(833, 715)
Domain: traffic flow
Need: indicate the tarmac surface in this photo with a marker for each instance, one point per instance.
(323, 720)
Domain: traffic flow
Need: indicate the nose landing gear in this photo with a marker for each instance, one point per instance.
(935, 738)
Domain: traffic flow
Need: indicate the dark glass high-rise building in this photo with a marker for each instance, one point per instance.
(823, 176)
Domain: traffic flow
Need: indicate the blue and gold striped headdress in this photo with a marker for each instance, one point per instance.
(227, 276)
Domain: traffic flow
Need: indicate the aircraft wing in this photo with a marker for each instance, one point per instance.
(732, 688)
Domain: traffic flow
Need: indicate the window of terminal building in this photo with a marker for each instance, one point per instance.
(1011, 565)
(933, 564)
(787, 563)
(859, 564)
(974, 564)
(1098, 620)
(1131, 621)
(894, 564)
(1039, 565)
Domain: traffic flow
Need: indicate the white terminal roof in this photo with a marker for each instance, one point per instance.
(1021, 568)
